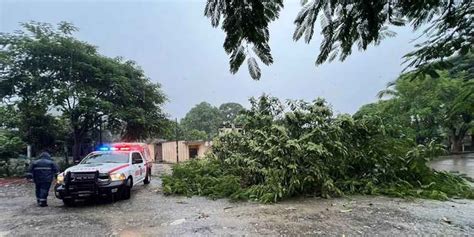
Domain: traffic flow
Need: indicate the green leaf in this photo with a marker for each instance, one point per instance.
(253, 68)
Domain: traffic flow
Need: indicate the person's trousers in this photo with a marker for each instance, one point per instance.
(42, 190)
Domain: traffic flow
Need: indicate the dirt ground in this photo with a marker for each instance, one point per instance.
(150, 213)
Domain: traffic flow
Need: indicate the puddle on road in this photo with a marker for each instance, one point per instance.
(463, 164)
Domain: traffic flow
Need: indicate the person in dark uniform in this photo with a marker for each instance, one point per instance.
(43, 170)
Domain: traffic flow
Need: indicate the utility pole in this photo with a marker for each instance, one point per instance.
(28, 151)
(100, 130)
(177, 143)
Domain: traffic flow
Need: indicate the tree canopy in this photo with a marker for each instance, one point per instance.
(203, 117)
(426, 109)
(202, 122)
(447, 28)
(230, 111)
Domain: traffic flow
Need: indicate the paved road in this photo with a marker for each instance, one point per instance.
(457, 163)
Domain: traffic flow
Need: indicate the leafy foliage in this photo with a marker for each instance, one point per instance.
(38, 128)
(8, 117)
(303, 149)
(10, 146)
(32, 124)
(209, 180)
(137, 104)
(246, 25)
(345, 24)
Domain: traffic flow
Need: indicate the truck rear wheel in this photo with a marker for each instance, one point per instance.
(147, 179)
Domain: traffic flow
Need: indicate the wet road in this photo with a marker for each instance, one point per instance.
(463, 164)
(150, 213)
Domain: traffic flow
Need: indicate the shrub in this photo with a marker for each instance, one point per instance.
(18, 167)
(305, 150)
(13, 167)
(10, 146)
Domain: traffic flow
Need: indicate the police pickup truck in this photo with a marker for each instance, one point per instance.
(109, 172)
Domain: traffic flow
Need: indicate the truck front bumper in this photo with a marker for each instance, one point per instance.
(74, 192)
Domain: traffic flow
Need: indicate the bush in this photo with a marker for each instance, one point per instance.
(305, 150)
(10, 145)
(14, 167)
(61, 162)
(18, 167)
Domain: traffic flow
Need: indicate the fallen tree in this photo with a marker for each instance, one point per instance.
(303, 149)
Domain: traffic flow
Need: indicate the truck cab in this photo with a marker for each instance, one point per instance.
(109, 172)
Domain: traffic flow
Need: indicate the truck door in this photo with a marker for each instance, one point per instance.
(139, 169)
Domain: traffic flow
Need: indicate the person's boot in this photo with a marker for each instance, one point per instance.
(43, 204)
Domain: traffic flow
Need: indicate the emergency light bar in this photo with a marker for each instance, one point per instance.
(107, 148)
(103, 148)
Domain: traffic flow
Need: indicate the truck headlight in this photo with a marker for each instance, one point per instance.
(117, 177)
(60, 178)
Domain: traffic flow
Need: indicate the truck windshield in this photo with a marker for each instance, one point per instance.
(110, 157)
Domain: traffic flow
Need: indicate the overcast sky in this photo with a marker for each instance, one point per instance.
(177, 47)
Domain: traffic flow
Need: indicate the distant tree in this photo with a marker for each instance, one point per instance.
(345, 24)
(203, 117)
(426, 109)
(171, 130)
(195, 135)
(434, 107)
(230, 111)
(387, 110)
(176, 131)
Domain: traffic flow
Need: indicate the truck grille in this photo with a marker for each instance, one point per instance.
(85, 181)
(81, 181)
(83, 177)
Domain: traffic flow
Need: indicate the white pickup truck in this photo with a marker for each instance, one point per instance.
(110, 172)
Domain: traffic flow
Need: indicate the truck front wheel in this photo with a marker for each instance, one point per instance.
(69, 202)
(127, 189)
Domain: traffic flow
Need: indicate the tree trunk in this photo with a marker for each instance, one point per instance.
(76, 148)
(457, 144)
(28, 151)
(66, 155)
(7, 167)
(472, 141)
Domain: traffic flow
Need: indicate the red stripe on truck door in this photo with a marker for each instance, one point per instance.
(117, 168)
